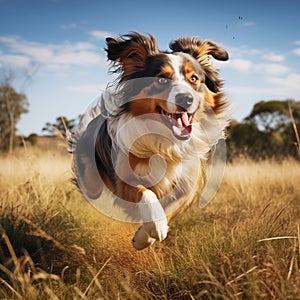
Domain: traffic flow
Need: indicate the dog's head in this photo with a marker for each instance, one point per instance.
(177, 86)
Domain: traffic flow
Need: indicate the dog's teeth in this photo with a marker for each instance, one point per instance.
(176, 130)
(179, 122)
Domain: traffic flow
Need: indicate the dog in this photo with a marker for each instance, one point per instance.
(152, 129)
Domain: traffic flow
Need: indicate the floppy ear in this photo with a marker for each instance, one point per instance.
(129, 52)
(201, 50)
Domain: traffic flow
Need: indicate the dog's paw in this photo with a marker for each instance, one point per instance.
(155, 225)
(157, 230)
(141, 239)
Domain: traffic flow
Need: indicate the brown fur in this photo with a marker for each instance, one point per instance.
(201, 50)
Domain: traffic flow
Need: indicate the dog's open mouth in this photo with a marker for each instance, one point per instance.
(179, 122)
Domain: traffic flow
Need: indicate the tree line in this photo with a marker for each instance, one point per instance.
(269, 131)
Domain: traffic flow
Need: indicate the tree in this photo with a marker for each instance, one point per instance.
(60, 126)
(32, 139)
(278, 120)
(12, 106)
(270, 116)
(244, 139)
(270, 130)
(13, 103)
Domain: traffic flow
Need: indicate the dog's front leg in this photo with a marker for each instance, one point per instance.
(155, 225)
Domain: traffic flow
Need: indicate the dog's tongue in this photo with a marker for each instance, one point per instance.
(185, 119)
(182, 126)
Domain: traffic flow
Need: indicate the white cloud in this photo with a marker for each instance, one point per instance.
(65, 54)
(288, 87)
(246, 90)
(15, 60)
(246, 66)
(77, 58)
(241, 65)
(280, 87)
(297, 51)
(242, 51)
(100, 35)
(273, 57)
(272, 69)
(275, 88)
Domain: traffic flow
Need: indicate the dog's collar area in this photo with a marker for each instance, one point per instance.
(179, 122)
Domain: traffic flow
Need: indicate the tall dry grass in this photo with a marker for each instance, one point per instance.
(244, 245)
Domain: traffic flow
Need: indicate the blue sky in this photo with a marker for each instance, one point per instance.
(65, 39)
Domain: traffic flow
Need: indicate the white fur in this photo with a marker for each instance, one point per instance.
(180, 85)
(155, 225)
(176, 62)
(150, 208)
(141, 239)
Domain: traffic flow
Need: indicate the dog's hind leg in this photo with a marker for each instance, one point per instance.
(90, 180)
(93, 166)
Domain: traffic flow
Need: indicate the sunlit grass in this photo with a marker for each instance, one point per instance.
(244, 245)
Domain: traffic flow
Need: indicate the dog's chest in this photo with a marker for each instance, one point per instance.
(156, 170)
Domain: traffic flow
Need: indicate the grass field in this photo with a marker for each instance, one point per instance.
(244, 245)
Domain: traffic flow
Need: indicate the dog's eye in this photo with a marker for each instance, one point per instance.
(162, 80)
(194, 79)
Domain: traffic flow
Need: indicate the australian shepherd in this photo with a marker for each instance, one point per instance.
(152, 130)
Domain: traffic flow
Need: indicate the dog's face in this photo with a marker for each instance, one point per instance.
(176, 87)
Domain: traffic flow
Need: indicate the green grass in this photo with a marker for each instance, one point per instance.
(244, 245)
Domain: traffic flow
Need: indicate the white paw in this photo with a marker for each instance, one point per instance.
(141, 239)
(158, 229)
(155, 225)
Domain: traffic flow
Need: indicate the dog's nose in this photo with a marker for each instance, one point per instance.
(184, 100)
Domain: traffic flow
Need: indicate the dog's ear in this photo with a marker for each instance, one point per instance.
(129, 52)
(201, 50)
